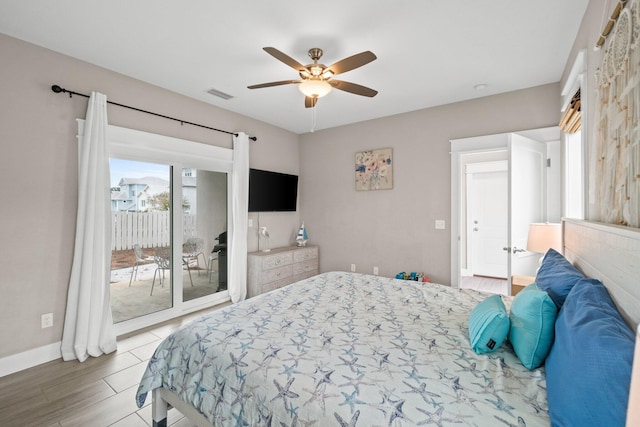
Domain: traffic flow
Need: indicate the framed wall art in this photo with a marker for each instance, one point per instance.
(374, 170)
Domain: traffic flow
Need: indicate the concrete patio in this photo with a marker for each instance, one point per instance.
(128, 302)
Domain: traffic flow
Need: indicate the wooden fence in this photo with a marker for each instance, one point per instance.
(148, 229)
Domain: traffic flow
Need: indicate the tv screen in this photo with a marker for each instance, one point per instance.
(272, 191)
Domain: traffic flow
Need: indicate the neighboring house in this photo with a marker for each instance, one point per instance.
(189, 190)
(134, 193)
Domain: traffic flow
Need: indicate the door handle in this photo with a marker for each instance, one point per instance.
(507, 249)
(516, 250)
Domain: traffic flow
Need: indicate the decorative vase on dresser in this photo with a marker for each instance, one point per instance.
(279, 267)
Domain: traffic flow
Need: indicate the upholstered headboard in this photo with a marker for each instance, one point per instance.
(610, 254)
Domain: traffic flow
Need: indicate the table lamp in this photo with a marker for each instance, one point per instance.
(544, 236)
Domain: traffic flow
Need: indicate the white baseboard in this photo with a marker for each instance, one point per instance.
(30, 358)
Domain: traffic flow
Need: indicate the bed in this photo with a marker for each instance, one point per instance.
(347, 349)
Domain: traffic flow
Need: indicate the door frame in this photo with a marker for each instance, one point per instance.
(479, 144)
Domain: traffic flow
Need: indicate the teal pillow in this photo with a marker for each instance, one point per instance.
(533, 318)
(488, 325)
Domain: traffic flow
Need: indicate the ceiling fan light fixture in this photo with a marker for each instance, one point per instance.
(327, 74)
(314, 88)
(316, 70)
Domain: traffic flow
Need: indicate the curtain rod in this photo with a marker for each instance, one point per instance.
(58, 89)
(609, 26)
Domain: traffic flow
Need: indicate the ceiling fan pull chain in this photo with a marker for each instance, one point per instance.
(313, 119)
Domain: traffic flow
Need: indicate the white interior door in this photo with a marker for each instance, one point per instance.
(488, 209)
(527, 180)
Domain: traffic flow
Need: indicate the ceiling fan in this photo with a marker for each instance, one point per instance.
(317, 79)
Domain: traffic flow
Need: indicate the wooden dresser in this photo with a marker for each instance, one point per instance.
(279, 267)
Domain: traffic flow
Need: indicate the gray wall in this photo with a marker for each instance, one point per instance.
(38, 172)
(394, 229)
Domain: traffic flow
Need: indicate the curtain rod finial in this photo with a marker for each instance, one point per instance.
(57, 89)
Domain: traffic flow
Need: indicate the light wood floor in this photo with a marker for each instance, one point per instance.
(98, 392)
(485, 284)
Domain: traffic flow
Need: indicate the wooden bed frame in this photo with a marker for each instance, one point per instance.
(610, 254)
(605, 252)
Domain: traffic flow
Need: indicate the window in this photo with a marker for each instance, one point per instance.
(573, 117)
(574, 172)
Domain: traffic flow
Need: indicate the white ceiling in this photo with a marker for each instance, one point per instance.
(429, 52)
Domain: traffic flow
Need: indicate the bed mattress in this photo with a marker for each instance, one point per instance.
(346, 349)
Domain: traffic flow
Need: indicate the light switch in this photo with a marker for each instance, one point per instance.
(440, 224)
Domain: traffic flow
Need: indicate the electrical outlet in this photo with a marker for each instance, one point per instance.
(46, 320)
(439, 224)
(353, 268)
(375, 271)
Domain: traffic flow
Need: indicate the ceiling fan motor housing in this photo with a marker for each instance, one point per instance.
(315, 53)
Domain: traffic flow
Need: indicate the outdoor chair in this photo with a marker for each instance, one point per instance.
(137, 250)
(162, 258)
(192, 249)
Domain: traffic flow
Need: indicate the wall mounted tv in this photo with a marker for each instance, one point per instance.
(272, 191)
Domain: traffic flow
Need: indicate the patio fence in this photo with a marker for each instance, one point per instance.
(148, 229)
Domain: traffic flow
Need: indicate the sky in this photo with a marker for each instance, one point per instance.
(132, 169)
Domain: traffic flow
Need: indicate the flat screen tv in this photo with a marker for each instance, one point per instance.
(272, 191)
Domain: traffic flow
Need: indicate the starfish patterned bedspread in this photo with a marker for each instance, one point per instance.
(346, 349)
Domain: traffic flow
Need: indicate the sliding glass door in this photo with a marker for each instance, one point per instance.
(169, 230)
(141, 276)
(204, 232)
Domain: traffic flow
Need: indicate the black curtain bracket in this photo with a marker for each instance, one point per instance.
(58, 89)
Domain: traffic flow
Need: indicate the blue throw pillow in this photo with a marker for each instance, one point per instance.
(488, 325)
(557, 276)
(589, 366)
(533, 319)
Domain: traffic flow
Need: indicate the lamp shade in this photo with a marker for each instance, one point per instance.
(633, 411)
(314, 88)
(544, 236)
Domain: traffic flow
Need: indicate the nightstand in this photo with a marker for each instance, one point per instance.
(518, 283)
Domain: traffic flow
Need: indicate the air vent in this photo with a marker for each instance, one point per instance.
(219, 94)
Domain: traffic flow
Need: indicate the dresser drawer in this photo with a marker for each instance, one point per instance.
(275, 285)
(305, 254)
(276, 274)
(276, 260)
(305, 266)
(304, 275)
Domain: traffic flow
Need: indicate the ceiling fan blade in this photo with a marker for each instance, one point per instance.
(352, 62)
(283, 57)
(282, 82)
(353, 88)
(310, 102)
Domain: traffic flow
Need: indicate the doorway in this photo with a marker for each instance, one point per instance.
(533, 160)
(486, 218)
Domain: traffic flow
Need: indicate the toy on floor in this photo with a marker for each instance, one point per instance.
(417, 277)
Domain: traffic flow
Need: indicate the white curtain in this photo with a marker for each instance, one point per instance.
(237, 284)
(88, 325)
